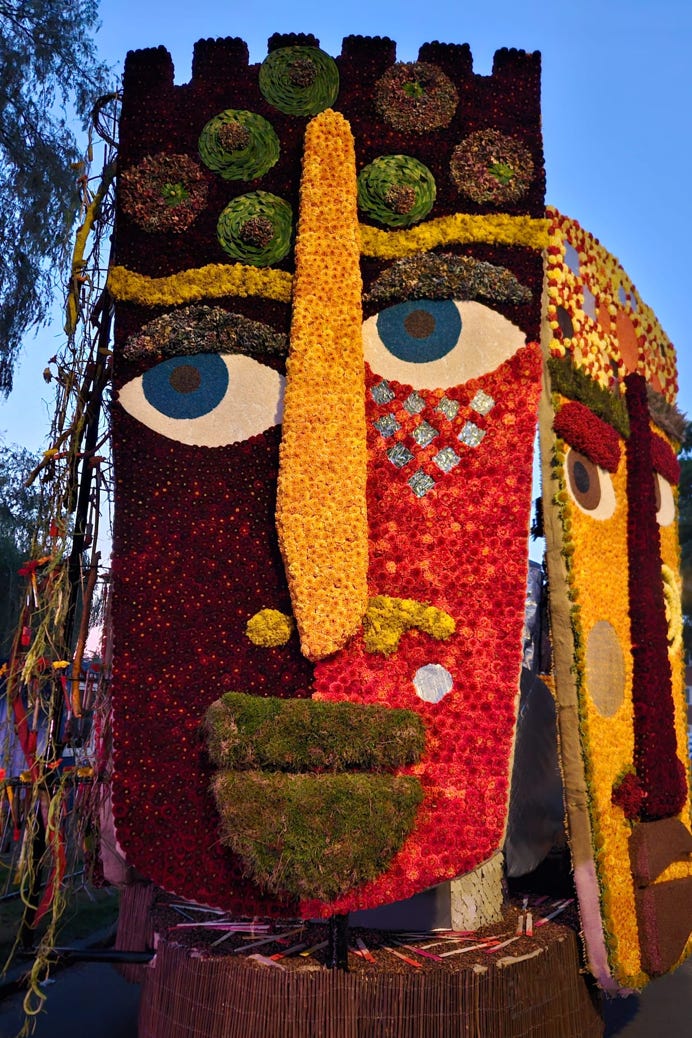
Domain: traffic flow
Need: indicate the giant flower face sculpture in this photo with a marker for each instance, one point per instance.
(363, 354)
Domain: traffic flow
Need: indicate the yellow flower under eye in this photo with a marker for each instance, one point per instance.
(212, 281)
(673, 606)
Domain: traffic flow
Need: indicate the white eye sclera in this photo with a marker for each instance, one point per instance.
(427, 343)
(665, 501)
(207, 399)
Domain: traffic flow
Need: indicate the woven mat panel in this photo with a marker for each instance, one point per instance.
(192, 997)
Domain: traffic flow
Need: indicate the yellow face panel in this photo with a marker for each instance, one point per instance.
(602, 484)
(598, 559)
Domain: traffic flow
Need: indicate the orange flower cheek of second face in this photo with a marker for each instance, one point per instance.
(598, 570)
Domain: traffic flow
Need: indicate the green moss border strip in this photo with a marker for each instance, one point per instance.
(293, 735)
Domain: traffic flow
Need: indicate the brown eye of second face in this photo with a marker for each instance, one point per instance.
(584, 480)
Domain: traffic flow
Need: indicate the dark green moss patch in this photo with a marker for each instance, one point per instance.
(250, 732)
(314, 836)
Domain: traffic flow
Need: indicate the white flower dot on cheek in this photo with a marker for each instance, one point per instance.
(432, 682)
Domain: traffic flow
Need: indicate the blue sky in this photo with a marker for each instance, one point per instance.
(617, 104)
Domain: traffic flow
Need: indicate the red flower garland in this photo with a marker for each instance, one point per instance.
(664, 461)
(588, 434)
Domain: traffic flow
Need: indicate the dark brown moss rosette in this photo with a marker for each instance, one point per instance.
(299, 80)
(256, 228)
(416, 97)
(396, 190)
(430, 275)
(245, 731)
(239, 145)
(204, 329)
(164, 192)
(491, 168)
(314, 836)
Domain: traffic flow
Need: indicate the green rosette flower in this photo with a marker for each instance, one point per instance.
(396, 190)
(239, 145)
(299, 80)
(256, 228)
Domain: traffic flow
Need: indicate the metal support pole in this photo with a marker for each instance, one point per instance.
(337, 951)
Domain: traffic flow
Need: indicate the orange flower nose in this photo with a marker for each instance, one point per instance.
(321, 511)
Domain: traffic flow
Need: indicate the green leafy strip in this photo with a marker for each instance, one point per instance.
(251, 732)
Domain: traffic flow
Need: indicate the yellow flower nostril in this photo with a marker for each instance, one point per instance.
(269, 628)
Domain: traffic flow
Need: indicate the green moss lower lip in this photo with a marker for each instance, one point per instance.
(314, 836)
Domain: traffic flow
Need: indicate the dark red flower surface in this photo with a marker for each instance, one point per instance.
(195, 548)
(195, 556)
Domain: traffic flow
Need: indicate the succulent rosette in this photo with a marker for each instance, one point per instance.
(299, 80)
(164, 192)
(492, 168)
(239, 145)
(416, 97)
(256, 228)
(396, 190)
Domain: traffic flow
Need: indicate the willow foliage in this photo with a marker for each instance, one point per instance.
(50, 77)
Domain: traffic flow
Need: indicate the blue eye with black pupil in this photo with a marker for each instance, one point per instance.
(186, 387)
(420, 331)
